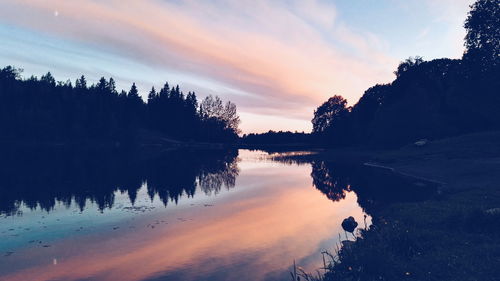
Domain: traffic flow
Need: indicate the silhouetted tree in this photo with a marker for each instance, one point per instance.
(81, 83)
(220, 122)
(152, 96)
(408, 64)
(231, 118)
(483, 32)
(272, 137)
(111, 87)
(428, 99)
(43, 110)
(328, 113)
(48, 79)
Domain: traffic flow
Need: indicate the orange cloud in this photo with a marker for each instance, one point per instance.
(281, 54)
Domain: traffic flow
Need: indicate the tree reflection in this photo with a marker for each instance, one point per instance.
(372, 185)
(334, 184)
(211, 181)
(41, 178)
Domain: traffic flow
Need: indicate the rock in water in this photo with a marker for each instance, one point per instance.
(349, 224)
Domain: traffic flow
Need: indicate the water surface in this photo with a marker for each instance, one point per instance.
(224, 215)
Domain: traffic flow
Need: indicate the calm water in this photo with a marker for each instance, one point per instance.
(225, 215)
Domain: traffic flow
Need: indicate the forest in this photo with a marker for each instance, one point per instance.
(41, 110)
(428, 99)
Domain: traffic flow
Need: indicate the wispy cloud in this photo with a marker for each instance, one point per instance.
(287, 56)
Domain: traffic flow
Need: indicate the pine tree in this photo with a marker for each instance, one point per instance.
(111, 86)
(81, 83)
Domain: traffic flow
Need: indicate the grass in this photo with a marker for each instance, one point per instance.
(454, 236)
(454, 245)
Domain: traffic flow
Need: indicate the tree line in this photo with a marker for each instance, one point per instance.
(43, 110)
(275, 138)
(428, 99)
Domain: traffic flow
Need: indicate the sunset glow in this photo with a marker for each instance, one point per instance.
(274, 211)
(277, 60)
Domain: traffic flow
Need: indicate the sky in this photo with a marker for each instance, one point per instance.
(276, 59)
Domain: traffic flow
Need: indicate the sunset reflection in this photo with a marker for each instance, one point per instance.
(257, 229)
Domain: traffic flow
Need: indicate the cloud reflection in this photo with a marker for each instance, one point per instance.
(257, 230)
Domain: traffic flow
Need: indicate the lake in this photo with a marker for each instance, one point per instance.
(185, 215)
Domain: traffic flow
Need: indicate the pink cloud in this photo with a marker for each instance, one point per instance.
(279, 53)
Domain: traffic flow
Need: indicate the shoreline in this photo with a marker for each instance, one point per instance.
(454, 236)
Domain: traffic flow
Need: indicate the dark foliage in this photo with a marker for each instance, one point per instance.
(43, 110)
(483, 32)
(330, 120)
(428, 99)
(273, 137)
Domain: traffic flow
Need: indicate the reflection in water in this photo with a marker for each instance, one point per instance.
(251, 232)
(373, 186)
(40, 178)
(332, 182)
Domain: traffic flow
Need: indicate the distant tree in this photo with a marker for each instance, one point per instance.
(10, 73)
(211, 107)
(272, 137)
(111, 86)
(133, 95)
(328, 113)
(81, 83)
(231, 118)
(408, 64)
(102, 85)
(67, 84)
(48, 79)
(152, 96)
(135, 106)
(46, 110)
(222, 120)
(165, 91)
(175, 93)
(122, 95)
(483, 31)
(191, 101)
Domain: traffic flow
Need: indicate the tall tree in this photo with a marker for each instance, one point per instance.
(408, 64)
(133, 95)
(328, 113)
(211, 107)
(152, 95)
(49, 79)
(81, 83)
(111, 86)
(483, 32)
(102, 85)
(48, 110)
(231, 118)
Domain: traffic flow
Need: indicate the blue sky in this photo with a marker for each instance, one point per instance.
(277, 60)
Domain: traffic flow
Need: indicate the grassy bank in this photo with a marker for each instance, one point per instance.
(453, 236)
